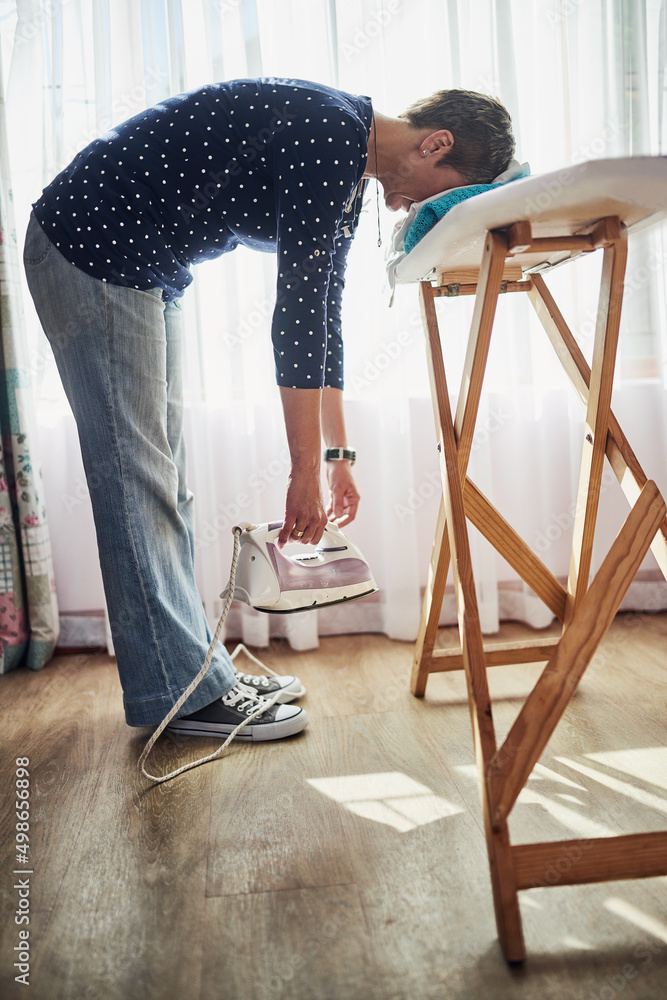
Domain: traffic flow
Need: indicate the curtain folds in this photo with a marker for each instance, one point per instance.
(28, 608)
(581, 81)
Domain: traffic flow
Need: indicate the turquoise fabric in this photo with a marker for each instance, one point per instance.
(433, 211)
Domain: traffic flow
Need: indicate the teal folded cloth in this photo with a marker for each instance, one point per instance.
(433, 211)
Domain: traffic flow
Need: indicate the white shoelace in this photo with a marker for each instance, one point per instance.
(245, 694)
(248, 693)
(244, 649)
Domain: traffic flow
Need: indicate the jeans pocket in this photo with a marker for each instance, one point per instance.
(37, 244)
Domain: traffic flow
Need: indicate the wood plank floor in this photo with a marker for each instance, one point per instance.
(347, 862)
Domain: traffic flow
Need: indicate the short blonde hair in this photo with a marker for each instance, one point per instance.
(481, 126)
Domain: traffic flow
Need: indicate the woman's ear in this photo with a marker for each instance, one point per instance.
(436, 142)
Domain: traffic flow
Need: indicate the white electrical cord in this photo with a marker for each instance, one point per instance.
(265, 702)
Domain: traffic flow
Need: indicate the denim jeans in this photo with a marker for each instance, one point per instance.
(118, 351)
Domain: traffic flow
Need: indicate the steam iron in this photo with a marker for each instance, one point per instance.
(276, 583)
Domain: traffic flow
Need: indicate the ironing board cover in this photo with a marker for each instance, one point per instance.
(568, 201)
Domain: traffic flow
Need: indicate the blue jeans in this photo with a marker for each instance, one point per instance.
(118, 352)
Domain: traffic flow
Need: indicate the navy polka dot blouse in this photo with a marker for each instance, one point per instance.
(273, 164)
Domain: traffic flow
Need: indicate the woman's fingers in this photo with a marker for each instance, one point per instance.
(305, 517)
(344, 497)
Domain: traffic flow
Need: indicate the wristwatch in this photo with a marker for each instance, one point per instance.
(340, 455)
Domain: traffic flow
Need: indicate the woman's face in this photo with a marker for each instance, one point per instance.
(402, 193)
(418, 173)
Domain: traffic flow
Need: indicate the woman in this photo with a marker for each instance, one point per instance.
(274, 164)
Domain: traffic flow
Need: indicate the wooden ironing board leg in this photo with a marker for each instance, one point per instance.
(624, 462)
(506, 901)
(597, 419)
(586, 611)
(431, 606)
(488, 289)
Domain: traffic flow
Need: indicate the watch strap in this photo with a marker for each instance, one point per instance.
(340, 455)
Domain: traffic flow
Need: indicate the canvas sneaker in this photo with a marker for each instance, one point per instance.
(284, 686)
(223, 716)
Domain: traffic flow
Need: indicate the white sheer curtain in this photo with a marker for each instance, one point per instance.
(581, 80)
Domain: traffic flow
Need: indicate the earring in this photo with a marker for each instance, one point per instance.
(424, 152)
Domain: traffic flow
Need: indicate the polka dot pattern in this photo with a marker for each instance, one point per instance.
(273, 164)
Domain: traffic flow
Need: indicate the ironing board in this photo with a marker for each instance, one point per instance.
(501, 242)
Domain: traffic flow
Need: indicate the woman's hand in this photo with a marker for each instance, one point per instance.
(343, 495)
(305, 411)
(305, 517)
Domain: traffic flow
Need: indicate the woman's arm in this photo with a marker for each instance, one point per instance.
(310, 415)
(304, 507)
(344, 498)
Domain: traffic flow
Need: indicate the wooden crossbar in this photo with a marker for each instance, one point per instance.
(520, 557)
(498, 654)
(454, 289)
(585, 610)
(600, 859)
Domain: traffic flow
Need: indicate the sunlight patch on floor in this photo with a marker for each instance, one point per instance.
(388, 797)
(530, 901)
(636, 916)
(569, 941)
(545, 772)
(647, 763)
(571, 819)
(632, 792)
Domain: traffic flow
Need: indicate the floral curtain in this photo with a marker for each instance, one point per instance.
(28, 607)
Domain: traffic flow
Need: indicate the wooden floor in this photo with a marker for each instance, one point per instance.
(347, 862)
